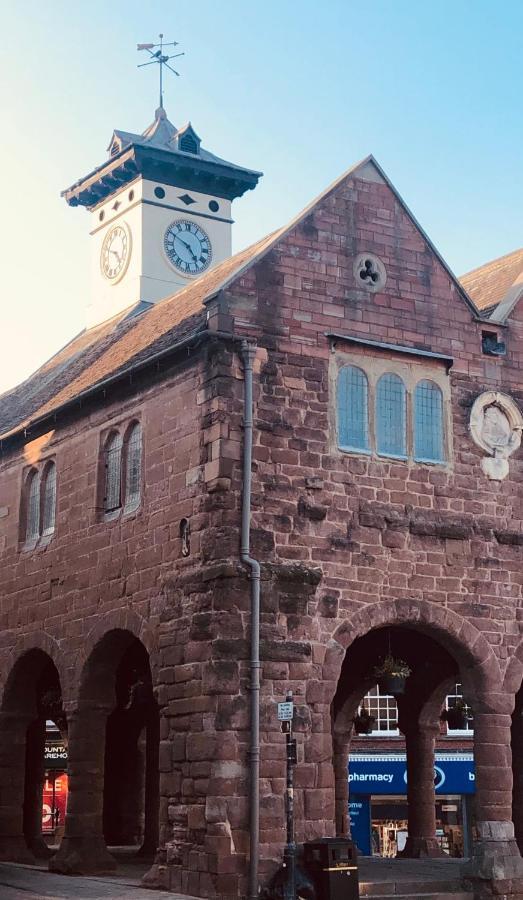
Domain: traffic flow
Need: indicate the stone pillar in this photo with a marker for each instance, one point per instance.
(13, 730)
(34, 785)
(152, 786)
(341, 784)
(83, 849)
(421, 842)
(517, 770)
(496, 867)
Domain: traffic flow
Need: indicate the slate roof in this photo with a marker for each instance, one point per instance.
(159, 143)
(116, 346)
(489, 284)
(161, 133)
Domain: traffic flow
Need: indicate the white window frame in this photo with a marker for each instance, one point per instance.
(458, 732)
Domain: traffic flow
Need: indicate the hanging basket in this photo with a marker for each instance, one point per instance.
(392, 684)
(392, 675)
(456, 718)
(363, 722)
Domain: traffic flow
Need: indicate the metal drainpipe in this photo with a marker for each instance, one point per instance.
(248, 353)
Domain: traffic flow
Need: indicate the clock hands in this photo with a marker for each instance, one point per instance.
(190, 249)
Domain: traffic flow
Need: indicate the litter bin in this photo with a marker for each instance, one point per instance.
(332, 864)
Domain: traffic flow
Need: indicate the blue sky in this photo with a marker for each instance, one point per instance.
(300, 90)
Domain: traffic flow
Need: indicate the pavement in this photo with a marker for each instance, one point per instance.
(18, 882)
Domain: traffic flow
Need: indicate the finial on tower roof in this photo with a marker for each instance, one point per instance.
(156, 52)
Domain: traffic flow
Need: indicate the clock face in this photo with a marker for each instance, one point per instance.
(187, 247)
(116, 252)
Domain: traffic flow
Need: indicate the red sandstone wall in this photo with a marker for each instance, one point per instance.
(347, 542)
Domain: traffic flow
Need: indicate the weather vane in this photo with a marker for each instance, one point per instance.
(158, 56)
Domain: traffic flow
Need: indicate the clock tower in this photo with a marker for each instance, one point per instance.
(160, 214)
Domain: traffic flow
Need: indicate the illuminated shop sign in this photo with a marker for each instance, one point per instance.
(381, 773)
(55, 756)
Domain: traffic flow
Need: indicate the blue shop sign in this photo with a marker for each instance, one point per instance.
(386, 773)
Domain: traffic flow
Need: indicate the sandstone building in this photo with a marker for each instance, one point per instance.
(375, 402)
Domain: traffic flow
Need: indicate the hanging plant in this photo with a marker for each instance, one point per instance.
(456, 716)
(363, 721)
(392, 675)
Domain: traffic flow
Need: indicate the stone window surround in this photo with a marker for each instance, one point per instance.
(411, 372)
(125, 429)
(41, 470)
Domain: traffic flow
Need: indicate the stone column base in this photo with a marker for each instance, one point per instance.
(39, 848)
(83, 856)
(13, 848)
(496, 868)
(421, 848)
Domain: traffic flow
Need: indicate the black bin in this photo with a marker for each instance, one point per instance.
(332, 864)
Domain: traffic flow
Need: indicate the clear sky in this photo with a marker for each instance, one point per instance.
(296, 88)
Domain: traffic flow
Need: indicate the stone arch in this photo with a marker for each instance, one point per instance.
(39, 641)
(32, 693)
(513, 678)
(466, 643)
(120, 620)
(113, 707)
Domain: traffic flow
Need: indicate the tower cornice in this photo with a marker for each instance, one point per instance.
(168, 166)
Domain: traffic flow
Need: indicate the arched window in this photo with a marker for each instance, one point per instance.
(113, 473)
(429, 442)
(32, 529)
(48, 495)
(353, 416)
(133, 466)
(391, 416)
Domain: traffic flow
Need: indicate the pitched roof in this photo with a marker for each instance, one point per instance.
(490, 283)
(115, 347)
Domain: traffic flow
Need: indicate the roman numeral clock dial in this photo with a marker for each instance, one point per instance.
(116, 252)
(187, 247)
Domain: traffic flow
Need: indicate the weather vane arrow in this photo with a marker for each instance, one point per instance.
(156, 52)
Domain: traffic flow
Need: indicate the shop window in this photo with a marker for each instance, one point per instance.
(428, 423)
(391, 416)
(123, 470)
(353, 414)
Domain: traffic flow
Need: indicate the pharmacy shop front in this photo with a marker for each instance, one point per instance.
(378, 802)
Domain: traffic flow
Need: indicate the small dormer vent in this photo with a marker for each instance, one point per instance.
(115, 148)
(188, 143)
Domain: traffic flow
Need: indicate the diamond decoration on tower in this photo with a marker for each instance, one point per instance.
(186, 199)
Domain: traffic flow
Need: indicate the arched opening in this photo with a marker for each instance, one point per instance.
(516, 741)
(409, 781)
(113, 760)
(31, 706)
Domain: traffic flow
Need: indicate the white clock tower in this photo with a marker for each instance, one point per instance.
(161, 215)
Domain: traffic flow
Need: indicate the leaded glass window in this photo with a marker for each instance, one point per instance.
(353, 414)
(32, 532)
(391, 416)
(49, 499)
(113, 475)
(428, 422)
(133, 466)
